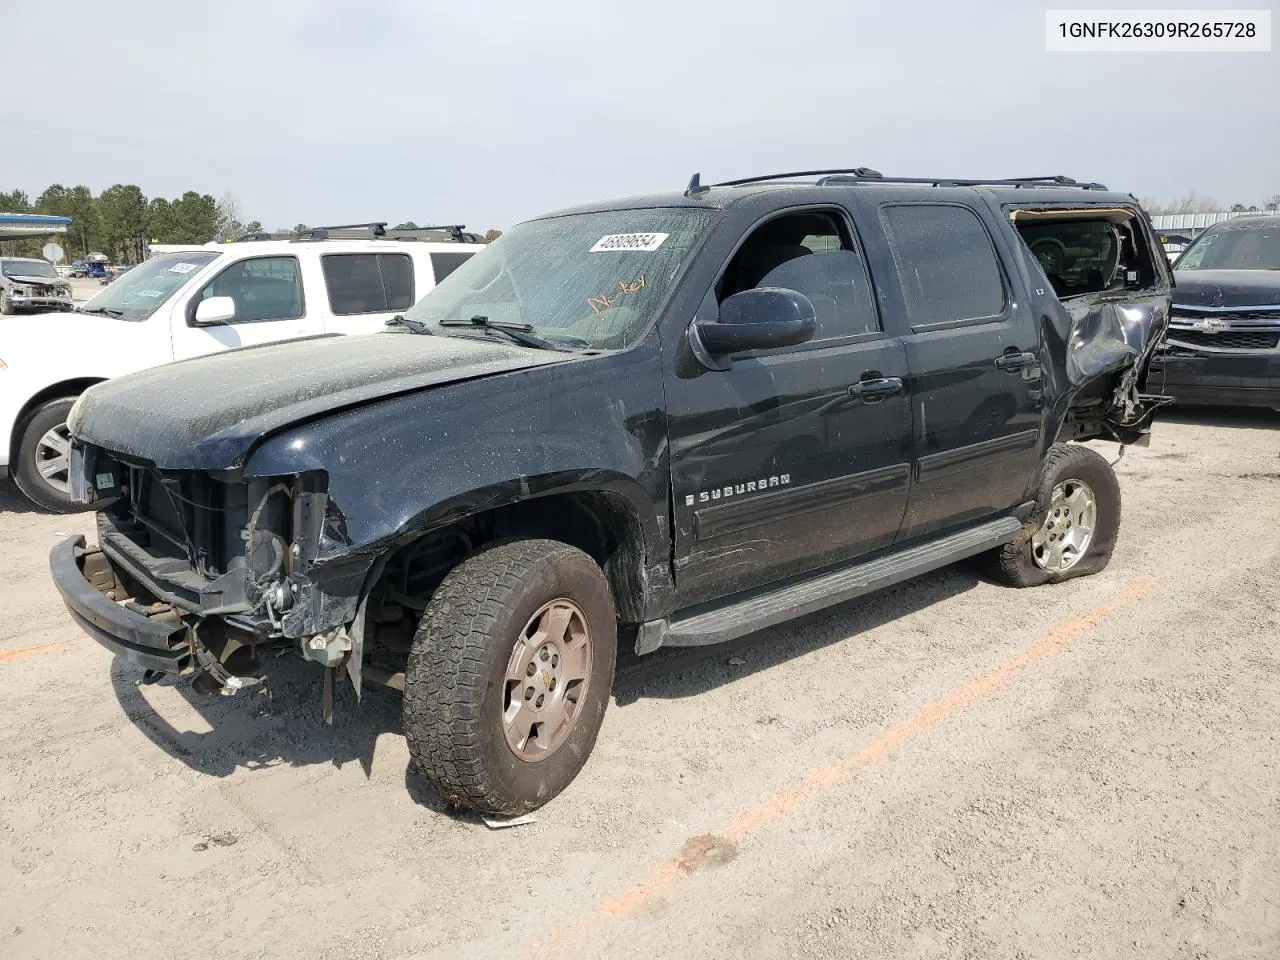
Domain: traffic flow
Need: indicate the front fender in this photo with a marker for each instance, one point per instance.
(411, 463)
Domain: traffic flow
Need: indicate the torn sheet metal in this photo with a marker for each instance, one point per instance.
(1097, 348)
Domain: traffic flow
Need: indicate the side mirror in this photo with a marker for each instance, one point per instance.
(759, 319)
(214, 310)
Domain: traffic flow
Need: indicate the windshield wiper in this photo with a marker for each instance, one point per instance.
(415, 326)
(107, 311)
(516, 332)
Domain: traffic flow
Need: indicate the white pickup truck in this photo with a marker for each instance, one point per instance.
(195, 301)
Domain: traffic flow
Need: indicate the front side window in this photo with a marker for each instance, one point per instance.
(263, 288)
(587, 279)
(139, 292)
(811, 253)
(368, 282)
(946, 264)
(1255, 247)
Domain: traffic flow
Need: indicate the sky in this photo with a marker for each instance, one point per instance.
(486, 113)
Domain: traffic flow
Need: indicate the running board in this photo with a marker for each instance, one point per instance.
(796, 600)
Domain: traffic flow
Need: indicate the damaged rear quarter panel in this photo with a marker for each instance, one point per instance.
(1098, 347)
(406, 465)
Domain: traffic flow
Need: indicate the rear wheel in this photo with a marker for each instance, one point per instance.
(510, 674)
(1074, 528)
(42, 471)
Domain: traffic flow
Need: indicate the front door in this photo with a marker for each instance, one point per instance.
(270, 306)
(796, 457)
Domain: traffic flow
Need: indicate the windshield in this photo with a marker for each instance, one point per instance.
(139, 291)
(588, 279)
(1235, 248)
(27, 268)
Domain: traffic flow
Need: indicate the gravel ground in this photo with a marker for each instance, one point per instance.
(948, 769)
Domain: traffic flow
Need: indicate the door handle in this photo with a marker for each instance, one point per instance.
(875, 389)
(1013, 360)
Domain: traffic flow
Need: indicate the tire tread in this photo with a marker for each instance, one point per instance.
(446, 676)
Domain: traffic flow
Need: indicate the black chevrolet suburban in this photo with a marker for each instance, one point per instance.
(677, 418)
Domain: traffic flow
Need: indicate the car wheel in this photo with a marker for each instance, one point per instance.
(1074, 528)
(509, 675)
(6, 307)
(44, 458)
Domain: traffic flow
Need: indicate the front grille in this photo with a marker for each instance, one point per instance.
(1191, 314)
(1227, 339)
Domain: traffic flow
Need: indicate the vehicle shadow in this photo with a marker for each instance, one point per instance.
(687, 671)
(219, 735)
(12, 501)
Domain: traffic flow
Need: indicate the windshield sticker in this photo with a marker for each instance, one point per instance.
(644, 242)
(600, 304)
(149, 294)
(182, 268)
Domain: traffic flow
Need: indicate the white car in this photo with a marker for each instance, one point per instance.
(196, 301)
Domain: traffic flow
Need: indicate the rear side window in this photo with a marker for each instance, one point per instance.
(443, 264)
(946, 264)
(368, 282)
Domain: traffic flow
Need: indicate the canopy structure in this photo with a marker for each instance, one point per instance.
(20, 226)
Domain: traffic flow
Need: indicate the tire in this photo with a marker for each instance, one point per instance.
(467, 674)
(32, 453)
(1067, 467)
(6, 308)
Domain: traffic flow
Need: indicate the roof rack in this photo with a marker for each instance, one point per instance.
(378, 231)
(867, 175)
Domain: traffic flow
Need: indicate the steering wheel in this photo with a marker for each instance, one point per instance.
(1052, 254)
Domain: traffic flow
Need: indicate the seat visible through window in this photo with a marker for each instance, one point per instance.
(813, 254)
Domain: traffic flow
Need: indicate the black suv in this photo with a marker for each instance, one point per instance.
(684, 416)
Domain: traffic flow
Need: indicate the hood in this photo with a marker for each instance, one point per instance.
(1226, 289)
(209, 412)
(46, 281)
(35, 336)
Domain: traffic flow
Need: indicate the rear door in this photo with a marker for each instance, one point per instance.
(973, 354)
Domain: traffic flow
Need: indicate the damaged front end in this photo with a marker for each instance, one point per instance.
(1102, 291)
(196, 573)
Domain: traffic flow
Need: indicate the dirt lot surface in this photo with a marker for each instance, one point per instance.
(82, 288)
(950, 769)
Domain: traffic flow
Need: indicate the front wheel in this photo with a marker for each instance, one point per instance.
(509, 675)
(43, 468)
(1074, 528)
(6, 307)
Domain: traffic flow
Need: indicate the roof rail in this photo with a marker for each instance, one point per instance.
(867, 175)
(865, 172)
(378, 231)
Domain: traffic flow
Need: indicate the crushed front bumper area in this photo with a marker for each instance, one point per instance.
(142, 631)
